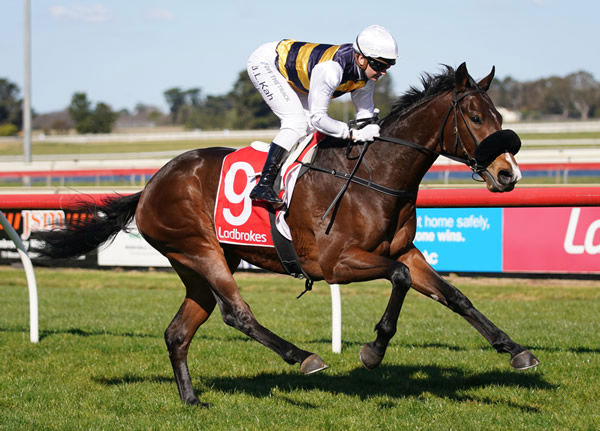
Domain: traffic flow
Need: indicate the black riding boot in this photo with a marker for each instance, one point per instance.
(263, 191)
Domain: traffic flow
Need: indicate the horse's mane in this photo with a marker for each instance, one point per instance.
(432, 86)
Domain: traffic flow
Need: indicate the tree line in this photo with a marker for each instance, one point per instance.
(576, 96)
(243, 107)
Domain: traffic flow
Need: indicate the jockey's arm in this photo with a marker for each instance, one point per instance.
(363, 101)
(324, 80)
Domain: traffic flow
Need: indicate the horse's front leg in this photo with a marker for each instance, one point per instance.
(427, 281)
(372, 353)
(358, 265)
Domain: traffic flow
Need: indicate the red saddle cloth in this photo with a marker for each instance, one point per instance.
(239, 220)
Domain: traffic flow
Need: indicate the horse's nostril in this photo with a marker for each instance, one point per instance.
(505, 177)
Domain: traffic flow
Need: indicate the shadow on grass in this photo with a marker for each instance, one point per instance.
(130, 378)
(45, 333)
(354, 343)
(393, 381)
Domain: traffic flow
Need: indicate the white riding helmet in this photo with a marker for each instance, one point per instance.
(376, 42)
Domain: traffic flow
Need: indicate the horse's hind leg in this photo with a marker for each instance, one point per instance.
(236, 313)
(211, 263)
(429, 283)
(197, 306)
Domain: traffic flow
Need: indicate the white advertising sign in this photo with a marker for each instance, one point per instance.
(130, 249)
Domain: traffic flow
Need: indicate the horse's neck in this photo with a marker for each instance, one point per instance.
(391, 164)
(420, 126)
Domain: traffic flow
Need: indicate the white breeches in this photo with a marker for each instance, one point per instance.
(284, 101)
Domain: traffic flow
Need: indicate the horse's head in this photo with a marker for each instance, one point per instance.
(472, 133)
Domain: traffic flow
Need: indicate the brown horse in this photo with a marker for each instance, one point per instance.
(370, 238)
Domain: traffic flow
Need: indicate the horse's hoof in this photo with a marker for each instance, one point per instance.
(312, 364)
(524, 360)
(369, 358)
(193, 401)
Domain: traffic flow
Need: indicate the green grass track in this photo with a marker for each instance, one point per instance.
(101, 362)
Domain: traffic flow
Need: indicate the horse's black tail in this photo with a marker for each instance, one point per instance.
(102, 222)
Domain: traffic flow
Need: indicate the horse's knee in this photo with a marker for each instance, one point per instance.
(227, 315)
(401, 277)
(241, 319)
(174, 340)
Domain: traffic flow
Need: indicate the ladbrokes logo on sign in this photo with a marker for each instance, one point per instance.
(547, 240)
(586, 230)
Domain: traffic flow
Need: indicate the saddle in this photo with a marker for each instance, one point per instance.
(241, 221)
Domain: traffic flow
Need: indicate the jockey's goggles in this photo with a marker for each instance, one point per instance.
(380, 64)
(377, 64)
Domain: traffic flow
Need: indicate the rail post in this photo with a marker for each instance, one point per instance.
(31, 283)
(336, 319)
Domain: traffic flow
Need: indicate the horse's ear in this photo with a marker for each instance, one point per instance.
(484, 84)
(461, 77)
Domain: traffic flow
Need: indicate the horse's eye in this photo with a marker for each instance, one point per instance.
(476, 119)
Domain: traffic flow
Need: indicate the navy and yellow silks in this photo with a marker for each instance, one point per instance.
(296, 60)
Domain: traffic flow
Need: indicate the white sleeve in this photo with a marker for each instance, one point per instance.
(324, 79)
(363, 100)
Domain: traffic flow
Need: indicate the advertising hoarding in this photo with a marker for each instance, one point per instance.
(461, 239)
(488, 240)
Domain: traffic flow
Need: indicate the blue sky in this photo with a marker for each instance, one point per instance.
(127, 51)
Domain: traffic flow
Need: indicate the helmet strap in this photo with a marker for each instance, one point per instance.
(361, 64)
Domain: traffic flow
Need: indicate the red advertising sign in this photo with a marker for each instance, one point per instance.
(565, 240)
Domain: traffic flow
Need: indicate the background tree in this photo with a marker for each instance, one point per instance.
(576, 95)
(213, 113)
(506, 93)
(99, 120)
(556, 99)
(250, 110)
(80, 108)
(584, 92)
(193, 96)
(103, 118)
(176, 100)
(11, 111)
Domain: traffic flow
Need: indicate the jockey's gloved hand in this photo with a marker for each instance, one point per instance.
(366, 134)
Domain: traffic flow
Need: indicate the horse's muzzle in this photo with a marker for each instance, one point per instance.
(496, 144)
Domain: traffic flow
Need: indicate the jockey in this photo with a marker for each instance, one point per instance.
(298, 81)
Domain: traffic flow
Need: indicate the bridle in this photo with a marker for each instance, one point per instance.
(456, 109)
(490, 145)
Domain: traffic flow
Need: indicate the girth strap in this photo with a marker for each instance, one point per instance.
(287, 255)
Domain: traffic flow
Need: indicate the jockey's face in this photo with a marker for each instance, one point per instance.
(374, 75)
(374, 69)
